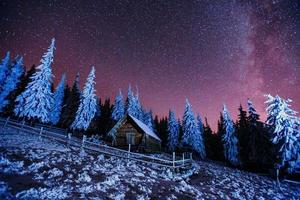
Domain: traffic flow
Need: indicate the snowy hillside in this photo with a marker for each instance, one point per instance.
(41, 169)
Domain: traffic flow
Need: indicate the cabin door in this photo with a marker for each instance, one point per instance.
(130, 137)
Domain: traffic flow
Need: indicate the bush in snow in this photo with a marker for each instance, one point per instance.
(37, 99)
(286, 134)
(88, 104)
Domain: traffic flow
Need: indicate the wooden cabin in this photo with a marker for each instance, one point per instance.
(130, 130)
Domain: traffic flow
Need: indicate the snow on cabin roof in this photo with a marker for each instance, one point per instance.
(144, 127)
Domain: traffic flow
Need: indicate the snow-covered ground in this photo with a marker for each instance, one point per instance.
(31, 168)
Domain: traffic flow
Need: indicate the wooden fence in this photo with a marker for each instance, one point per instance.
(185, 161)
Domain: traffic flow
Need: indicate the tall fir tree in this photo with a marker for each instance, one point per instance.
(58, 101)
(36, 101)
(4, 69)
(105, 122)
(255, 138)
(191, 135)
(71, 104)
(24, 80)
(119, 107)
(261, 151)
(286, 134)
(200, 141)
(88, 104)
(133, 105)
(230, 141)
(173, 132)
(11, 82)
(242, 130)
(161, 129)
(148, 119)
(219, 143)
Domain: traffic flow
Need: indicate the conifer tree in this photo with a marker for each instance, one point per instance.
(119, 107)
(4, 69)
(11, 82)
(58, 101)
(105, 121)
(140, 109)
(230, 141)
(243, 135)
(24, 80)
(37, 100)
(286, 134)
(88, 104)
(200, 143)
(98, 108)
(173, 132)
(191, 135)
(71, 104)
(148, 119)
(133, 105)
(252, 114)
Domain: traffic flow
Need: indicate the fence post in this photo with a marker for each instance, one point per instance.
(129, 148)
(191, 156)
(6, 122)
(69, 139)
(174, 160)
(23, 122)
(83, 140)
(41, 131)
(183, 159)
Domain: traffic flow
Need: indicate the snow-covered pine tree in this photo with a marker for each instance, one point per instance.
(148, 119)
(286, 132)
(139, 106)
(88, 104)
(188, 125)
(191, 134)
(4, 70)
(229, 139)
(58, 101)
(200, 138)
(11, 82)
(133, 105)
(37, 99)
(173, 132)
(253, 116)
(119, 107)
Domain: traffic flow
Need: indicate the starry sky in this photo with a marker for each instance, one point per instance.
(212, 52)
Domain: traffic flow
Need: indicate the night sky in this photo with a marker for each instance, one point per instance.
(212, 52)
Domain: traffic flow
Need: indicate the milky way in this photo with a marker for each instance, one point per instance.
(212, 52)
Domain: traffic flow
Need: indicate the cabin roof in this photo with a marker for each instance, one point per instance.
(145, 128)
(137, 122)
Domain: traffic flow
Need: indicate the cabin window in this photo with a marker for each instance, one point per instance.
(130, 138)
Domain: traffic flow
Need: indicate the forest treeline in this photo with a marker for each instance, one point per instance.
(247, 143)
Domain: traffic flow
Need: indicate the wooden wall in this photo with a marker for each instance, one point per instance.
(152, 145)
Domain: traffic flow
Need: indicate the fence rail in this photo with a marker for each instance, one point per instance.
(61, 135)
